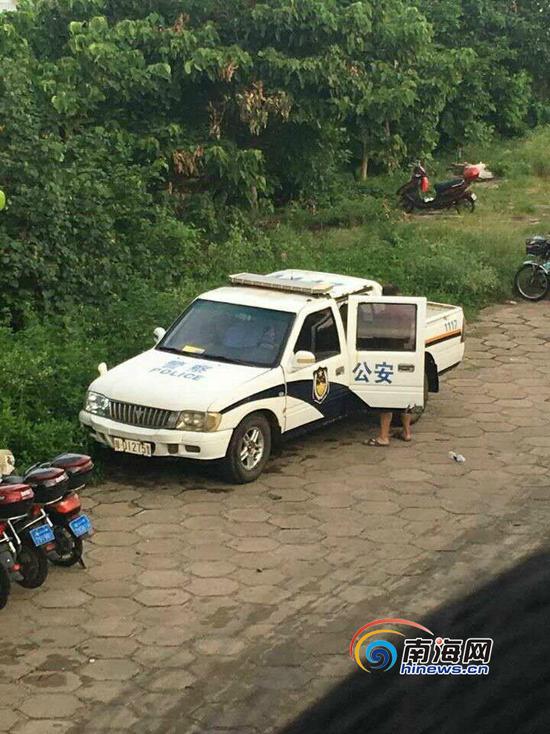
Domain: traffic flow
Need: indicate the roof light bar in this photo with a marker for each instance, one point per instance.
(287, 285)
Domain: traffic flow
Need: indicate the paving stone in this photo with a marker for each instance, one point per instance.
(163, 579)
(108, 647)
(210, 569)
(43, 726)
(8, 718)
(63, 599)
(112, 571)
(50, 705)
(247, 515)
(55, 681)
(110, 627)
(263, 594)
(162, 597)
(220, 647)
(212, 586)
(253, 545)
(170, 680)
(111, 669)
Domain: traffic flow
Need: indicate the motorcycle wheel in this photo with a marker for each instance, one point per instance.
(465, 205)
(407, 205)
(531, 282)
(68, 549)
(5, 587)
(34, 565)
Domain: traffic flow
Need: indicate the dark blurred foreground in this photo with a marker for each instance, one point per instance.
(514, 698)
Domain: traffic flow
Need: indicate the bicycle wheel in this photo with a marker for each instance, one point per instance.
(531, 282)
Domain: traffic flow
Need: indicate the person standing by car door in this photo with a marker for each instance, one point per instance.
(394, 317)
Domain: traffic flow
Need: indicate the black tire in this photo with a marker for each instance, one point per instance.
(5, 587)
(418, 412)
(239, 469)
(68, 549)
(536, 285)
(34, 565)
(466, 204)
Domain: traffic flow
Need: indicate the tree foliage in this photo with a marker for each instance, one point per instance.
(128, 126)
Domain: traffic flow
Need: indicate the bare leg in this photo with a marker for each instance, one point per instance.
(406, 420)
(385, 424)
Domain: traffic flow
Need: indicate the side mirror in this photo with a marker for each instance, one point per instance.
(102, 369)
(303, 359)
(159, 334)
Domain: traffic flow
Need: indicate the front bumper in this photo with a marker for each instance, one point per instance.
(186, 444)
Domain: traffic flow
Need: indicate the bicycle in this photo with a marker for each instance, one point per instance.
(532, 280)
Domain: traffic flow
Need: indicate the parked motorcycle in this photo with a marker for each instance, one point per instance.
(55, 485)
(26, 536)
(453, 194)
(532, 280)
(9, 568)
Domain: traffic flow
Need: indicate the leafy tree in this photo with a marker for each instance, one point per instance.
(129, 129)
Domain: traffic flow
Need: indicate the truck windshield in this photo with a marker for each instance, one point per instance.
(228, 332)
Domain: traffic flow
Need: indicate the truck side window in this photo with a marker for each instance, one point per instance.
(319, 335)
(386, 327)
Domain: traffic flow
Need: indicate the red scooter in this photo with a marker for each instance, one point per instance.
(55, 486)
(26, 536)
(453, 194)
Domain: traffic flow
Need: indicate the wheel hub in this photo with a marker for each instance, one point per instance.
(252, 448)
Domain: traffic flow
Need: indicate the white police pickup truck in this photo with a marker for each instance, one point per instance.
(266, 357)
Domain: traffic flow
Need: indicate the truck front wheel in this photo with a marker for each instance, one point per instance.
(249, 450)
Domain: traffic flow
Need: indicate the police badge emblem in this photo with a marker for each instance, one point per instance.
(321, 385)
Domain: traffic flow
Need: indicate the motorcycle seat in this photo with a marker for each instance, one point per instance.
(446, 185)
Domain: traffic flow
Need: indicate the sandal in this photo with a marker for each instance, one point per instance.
(376, 442)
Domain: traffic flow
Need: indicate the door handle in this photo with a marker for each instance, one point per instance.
(340, 371)
(406, 368)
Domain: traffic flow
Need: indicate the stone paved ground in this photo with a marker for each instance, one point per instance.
(209, 608)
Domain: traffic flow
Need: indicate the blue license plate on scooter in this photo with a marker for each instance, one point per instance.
(41, 535)
(81, 525)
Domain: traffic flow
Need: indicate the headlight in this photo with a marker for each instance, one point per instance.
(191, 420)
(97, 404)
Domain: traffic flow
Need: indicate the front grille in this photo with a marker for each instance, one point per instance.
(140, 415)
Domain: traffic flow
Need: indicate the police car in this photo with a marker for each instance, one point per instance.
(269, 356)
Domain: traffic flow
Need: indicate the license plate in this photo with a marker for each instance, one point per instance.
(41, 535)
(81, 525)
(474, 197)
(140, 448)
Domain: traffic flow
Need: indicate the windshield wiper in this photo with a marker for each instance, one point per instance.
(212, 357)
(172, 350)
(226, 360)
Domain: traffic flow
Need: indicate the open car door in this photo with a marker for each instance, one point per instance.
(387, 344)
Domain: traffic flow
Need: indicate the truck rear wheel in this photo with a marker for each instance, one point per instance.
(249, 450)
(417, 413)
